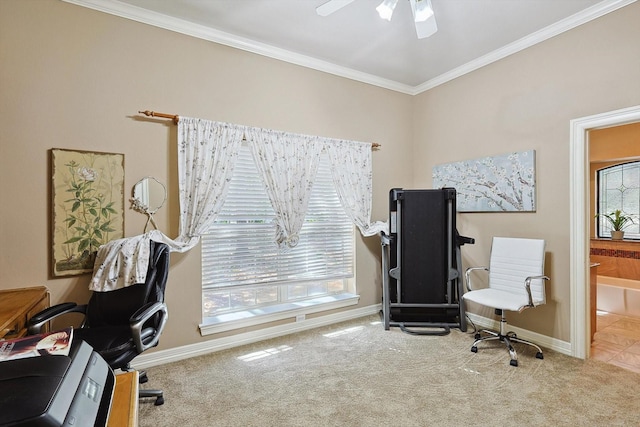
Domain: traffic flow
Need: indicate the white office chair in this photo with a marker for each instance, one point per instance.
(516, 282)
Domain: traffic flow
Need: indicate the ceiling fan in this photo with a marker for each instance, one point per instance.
(423, 16)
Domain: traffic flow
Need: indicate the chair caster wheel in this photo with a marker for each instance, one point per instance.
(474, 349)
(477, 336)
(143, 378)
(159, 401)
(539, 355)
(513, 363)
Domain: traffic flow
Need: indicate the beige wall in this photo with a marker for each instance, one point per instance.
(75, 78)
(526, 101)
(619, 143)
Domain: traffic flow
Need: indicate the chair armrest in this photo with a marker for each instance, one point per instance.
(38, 320)
(467, 275)
(138, 319)
(527, 286)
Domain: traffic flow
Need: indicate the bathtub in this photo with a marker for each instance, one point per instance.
(620, 296)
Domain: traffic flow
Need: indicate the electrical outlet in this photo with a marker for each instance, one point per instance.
(300, 317)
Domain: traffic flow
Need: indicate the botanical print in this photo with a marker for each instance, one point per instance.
(504, 183)
(88, 207)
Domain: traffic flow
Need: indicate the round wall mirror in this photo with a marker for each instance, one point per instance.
(149, 195)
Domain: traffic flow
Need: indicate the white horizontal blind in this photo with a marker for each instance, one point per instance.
(243, 268)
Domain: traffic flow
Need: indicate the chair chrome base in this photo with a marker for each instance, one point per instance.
(506, 337)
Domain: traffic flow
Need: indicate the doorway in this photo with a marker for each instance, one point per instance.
(615, 152)
(579, 221)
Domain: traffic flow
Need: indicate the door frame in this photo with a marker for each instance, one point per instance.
(579, 220)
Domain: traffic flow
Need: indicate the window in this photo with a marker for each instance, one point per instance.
(246, 274)
(619, 188)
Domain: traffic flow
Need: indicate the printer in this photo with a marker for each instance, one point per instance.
(56, 390)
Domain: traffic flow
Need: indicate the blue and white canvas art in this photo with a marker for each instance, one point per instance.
(504, 183)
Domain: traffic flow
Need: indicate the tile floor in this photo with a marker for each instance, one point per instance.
(617, 340)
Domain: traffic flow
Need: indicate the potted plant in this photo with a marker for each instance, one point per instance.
(618, 221)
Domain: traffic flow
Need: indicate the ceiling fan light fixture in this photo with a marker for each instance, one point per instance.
(422, 10)
(385, 9)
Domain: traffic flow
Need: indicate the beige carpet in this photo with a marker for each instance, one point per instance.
(357, 374)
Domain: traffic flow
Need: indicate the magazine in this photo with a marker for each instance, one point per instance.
(56, 343)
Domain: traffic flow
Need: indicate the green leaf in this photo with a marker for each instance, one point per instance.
(75, 206)
(83, 245)
(73, 240)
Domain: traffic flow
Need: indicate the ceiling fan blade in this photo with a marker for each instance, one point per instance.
(426, 28)
(331, 6)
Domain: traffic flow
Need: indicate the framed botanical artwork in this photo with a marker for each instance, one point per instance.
(87, 201)
(504, 183)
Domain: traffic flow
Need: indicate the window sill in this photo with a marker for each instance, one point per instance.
(258, 316)
(604, 242)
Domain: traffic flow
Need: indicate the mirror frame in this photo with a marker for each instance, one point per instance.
(146, 208)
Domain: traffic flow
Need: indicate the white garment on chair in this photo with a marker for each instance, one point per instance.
(121, 263)
(124, 262)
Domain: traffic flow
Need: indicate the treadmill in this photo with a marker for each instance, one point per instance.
(421, 262)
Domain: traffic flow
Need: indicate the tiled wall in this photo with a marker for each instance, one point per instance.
(616, 259)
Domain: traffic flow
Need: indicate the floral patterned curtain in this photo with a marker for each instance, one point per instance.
(352, 176)
(288, 164)
(207, 153)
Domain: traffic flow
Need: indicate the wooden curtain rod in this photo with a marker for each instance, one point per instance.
(175, 119)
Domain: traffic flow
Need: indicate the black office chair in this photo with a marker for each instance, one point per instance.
(123, 323)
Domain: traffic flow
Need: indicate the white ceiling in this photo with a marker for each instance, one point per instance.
(354, 42)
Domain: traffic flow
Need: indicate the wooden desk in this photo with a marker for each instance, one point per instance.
(124, 406)
(17, 306)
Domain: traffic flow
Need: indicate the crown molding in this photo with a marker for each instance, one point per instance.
(589, 14)
(181, 26)
(135, 13)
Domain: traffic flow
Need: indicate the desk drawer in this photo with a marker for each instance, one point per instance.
(12, 331)
(16, 323)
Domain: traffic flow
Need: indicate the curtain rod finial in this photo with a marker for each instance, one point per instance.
(148, 113)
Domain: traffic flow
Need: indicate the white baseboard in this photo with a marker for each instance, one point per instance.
(554, 344)
(161, 357)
